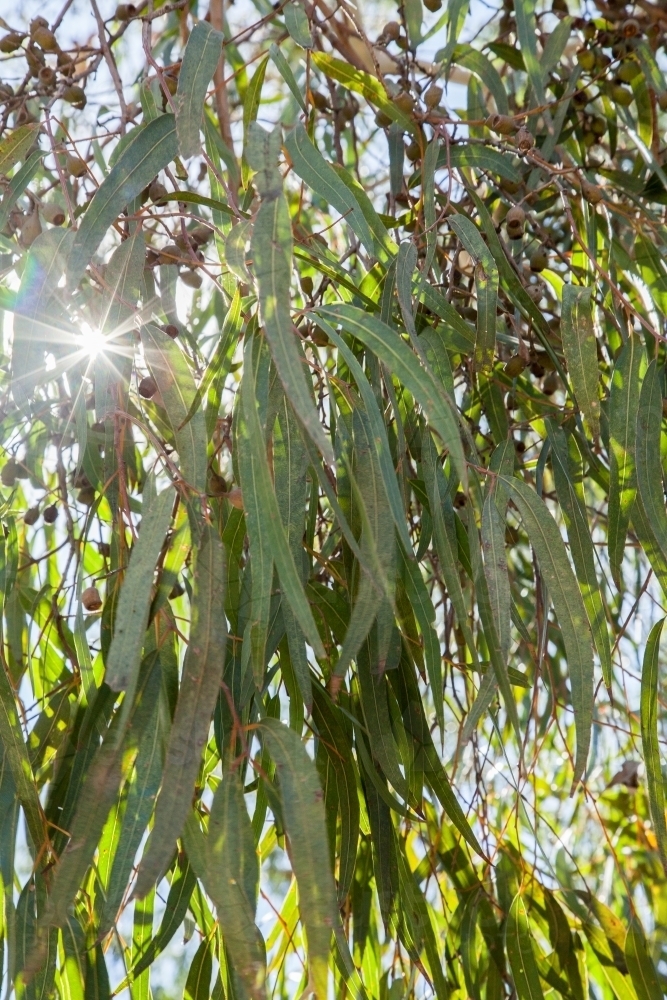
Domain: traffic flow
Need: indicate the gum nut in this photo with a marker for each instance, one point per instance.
(147, 387)
(50, 513)
(235, 497)
(514, 366)
(91, 599)
(31, 515)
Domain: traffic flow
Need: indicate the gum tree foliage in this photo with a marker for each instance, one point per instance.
(334, 544)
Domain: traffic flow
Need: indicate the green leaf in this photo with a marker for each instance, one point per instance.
(271, 248)
(321, 177)
(495, 570)
(260, 498)
(640, 964)
(145, 784)
(232, 876)
(486, 284)
(134, 170)
(296, 22)
(303, 813)
(650, 744)
(16, 756)
(569, 606)
(648, 458)
(580, 347)
(480, 158)
(526, 34)
(365, 84)
(200, 59)
(39, 319)
(392, 351)
(285, 71)
(623, 407)
(198, 983)
(98, 792)
(169, 368)
(200, 683)
(572, 502)
(335, 746)
(180, 891)
(520, 952)
(122, 666)
(468, 57)
(379, 432)
(18, 184)
(15, 146)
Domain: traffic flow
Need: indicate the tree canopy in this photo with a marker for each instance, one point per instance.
(333, 561)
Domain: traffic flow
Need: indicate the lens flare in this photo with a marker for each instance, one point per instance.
(92, 340)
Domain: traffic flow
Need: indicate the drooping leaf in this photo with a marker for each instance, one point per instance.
(623, 408)
(135, 596)
(201, 56)
(232, 874)
(200, 683)
(303, 814)
(518, 942)
(568, 604)
(580, 348)
(650, 744)
(142, 160)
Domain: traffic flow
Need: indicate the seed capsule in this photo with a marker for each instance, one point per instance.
(47, 76)
(31, 516)
(539, 259)
(405, 102)
(413, 151)
(156, 191)
(91, 599)
(216, 486)
(53, 214)
(44, 38)
(235, 497)
(391, 30)
(631, 28)
(104, 549)
(515, 220)
(628, 70)
(86, 496)
(524, 141)
(171, 330)
(50, 514)
(31, 228)
(433, 5)
(75, 96)
(147, 387)
(201, 235)
(191, 278)
(11, 42)
(514, 366)
(620, 95)
(319, 100)
(383, 120)
(502, 124)
(586, 59)
(550, 384)
(76, 167)
(433, 96)
(8, 474)
(591, 192)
